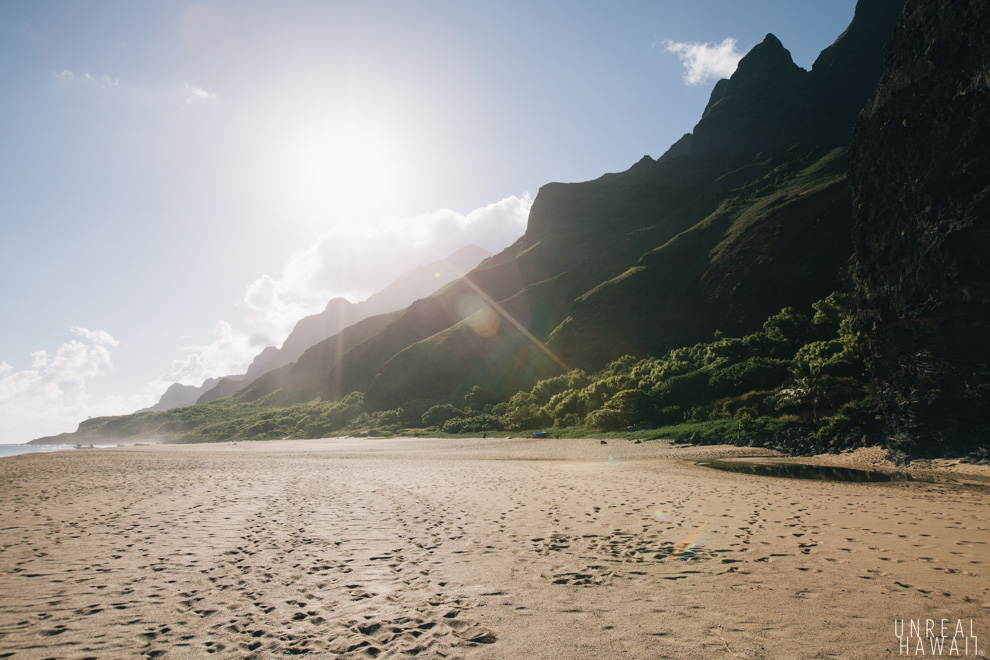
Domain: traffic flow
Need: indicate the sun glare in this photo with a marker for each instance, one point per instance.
(347, 170)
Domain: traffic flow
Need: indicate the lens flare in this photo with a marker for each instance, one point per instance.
(485, 322)
(479, 315)
(502, 313)
(688, 547)
(660, 515)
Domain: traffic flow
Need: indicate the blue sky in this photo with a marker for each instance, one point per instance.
(180, 181)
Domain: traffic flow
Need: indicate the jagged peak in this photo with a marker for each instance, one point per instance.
(771, 41)
(768, 55)
(768, 60)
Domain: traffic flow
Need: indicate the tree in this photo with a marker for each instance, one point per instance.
(440, 414)
(809, 387)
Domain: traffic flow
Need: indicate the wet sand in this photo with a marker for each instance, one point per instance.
(473, 549)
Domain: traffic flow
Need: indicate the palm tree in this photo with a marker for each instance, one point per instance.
(809, 387)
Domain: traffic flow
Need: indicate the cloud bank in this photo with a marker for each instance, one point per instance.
(353, 261)
(703, 61)
(51, 397)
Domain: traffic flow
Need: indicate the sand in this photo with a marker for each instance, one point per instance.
(473, 549)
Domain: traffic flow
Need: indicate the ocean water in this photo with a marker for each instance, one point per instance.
(14, 450)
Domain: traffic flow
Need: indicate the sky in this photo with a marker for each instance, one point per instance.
(181, 181)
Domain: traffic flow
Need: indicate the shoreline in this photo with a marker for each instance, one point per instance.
(864, 458)
(359, 547)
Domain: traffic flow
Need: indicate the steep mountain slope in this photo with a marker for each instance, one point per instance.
(338, 314)
(747, 214)
(920, 167)
(179, 396)
(341, 313)
(776, 228)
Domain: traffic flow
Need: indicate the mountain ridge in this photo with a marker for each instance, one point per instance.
(747, 214)
(755, 129)
(338, 314)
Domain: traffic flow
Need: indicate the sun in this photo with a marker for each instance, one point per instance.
(345, 169)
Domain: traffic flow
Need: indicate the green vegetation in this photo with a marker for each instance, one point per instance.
(259, 420)
(797, 384)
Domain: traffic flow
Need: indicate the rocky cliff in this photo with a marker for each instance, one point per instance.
(920, 171)
(767, 219)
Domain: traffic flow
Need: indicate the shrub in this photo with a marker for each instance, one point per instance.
(608, 420)
(752, 374)
(474, 424)
(438, 415)
(527, 417)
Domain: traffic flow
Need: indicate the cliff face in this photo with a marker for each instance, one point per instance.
(920, 170)
(768, 221)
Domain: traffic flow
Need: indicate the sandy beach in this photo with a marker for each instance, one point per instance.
(474, 549)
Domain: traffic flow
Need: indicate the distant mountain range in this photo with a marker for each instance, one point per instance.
(338, 315)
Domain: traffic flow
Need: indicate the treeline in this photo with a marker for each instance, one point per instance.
(226, 420)
(797, 384)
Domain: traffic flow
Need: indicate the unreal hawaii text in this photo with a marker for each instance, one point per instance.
(927, 638)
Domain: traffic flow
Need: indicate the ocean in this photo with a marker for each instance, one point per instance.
(14, 450)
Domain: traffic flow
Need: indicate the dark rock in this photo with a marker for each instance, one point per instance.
(845, 74)
(920, 171)
(757, 109)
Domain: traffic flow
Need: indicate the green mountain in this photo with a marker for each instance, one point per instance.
(746, 215)
(339, 313)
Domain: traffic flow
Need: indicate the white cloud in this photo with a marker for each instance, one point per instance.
(51, 396)
(39, 360)
(229, 353)
(704, 61)
(104, 81)
(198, 94)
(352, 261)
(98, 337)
(356, 260)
